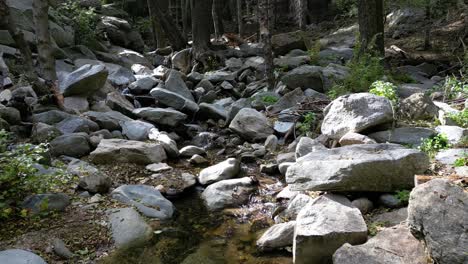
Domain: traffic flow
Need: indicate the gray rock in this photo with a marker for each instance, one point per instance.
(233, 64)
(236, 107)
(372, 167)
(205, 84)
(136, 130)
(108, 120)
(363, 204)
(289, 62)
(175, 84)
(437, 214)
(228, 193)
(390, 246)
(405, 135)
(227, 169)
(119, 76)
(418, 107)
(161, 116)
(283, 167)
(251, 125)
(143, 85)
(198, 160)
(51, 117)
(295, 205)
(169, 145)
(127, 151)
(271, 143)
(323, 226)
(61, 249)
(219, 76)
(119, 103)
(289, 100)
(182, 60)
(390, 201)
(212, 111)
(307, 145)
(19, 256)
(189, 151)
(76, 103)
(174, 100)
(146, 199)
(128, 228)
(285, 42)
(158, 167)
(46, 202)
(73, 145)
(76, 124)
(84, 81)
(174, 184)
(449, 156)
(44, 133)
(391, 218)
(91, 178)
(282, 128)
(334, 74)
(277, 236)
(305, 76)
(10, 114)
(352, 138)
(355, 113)
(454, 134)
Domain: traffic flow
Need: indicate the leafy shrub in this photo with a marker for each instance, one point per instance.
(377, 226)
(306, 125)
(385, 89)
(434, 144)
(84, 21)
(460, 118)
(403, 196)
(455, 88)
(269, 99)
(314, 52)
(19, 175)
(460, 162)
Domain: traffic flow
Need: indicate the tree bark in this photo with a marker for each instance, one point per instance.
(427, 30)
(371, 26)
(240, 22)
(44, 43)
(201, 26)
(266, 21)
(214, 13)
(163, 18)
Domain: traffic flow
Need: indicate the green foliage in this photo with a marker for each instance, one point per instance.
(455, 88)
(434, 144)
(143, 25)
(347, 8)
(375, 227)
(269, 99)
(385, 89)
(19, 176)
(314, 52)
(306, 125)
(403, 196)
(460, 118)
(460, 162)
(84, 21)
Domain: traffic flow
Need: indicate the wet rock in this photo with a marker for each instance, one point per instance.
(127, 151)
(418, 107)
(189, 151)
(372, 167)
(84, 81)
(19, 256)
(91, 178)
(277, 236)
(228, 193)
(128, 228)
(363, 204)
(108, 120)
(227, 169)
(351, 138)
(355, 113)
(454, 134)
(307, 145)
(251, 125)
(305, 76)
(174, 100)
(46, 202)
(146, 199)
(44, 133)
(405, 135)
(161, 116)
(136, 130)
(392, 245)
(323, 226)
(437, 214)
(73, 145)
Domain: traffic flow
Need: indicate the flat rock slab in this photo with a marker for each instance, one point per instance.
(390, 246)
(146, 199)
(370, 167)
(127, 151)
(405, 135)
(438, 214)
(324, 225)
(128, 228)
(19, 256)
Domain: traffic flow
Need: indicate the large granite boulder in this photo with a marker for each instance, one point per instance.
(127, 151)
(438, 215)
(74, 145)
(412, 136)
(174, 100)
(222, 171)
(228, 193)
(277, 236)
(370, 167)
(304, 77)
(84, 81)
(356, 113)
(251, 125)
(128, 228)
(19, 256)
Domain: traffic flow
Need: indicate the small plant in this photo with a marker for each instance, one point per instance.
(314, 53)
(434, 144)
(455, 88)
(269, 99)
(306, 125)
(403, 196)
(385, 89)
(462, 161)
(375, 227)
(85, 21)
(460, 118)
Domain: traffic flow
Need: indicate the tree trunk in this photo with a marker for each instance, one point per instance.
(427, 30)
(266, 21)
(240, 22)
(214, 12)
(371, 26)
(201, 26)
(162, 17)
(185, 17)
(44, 43)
